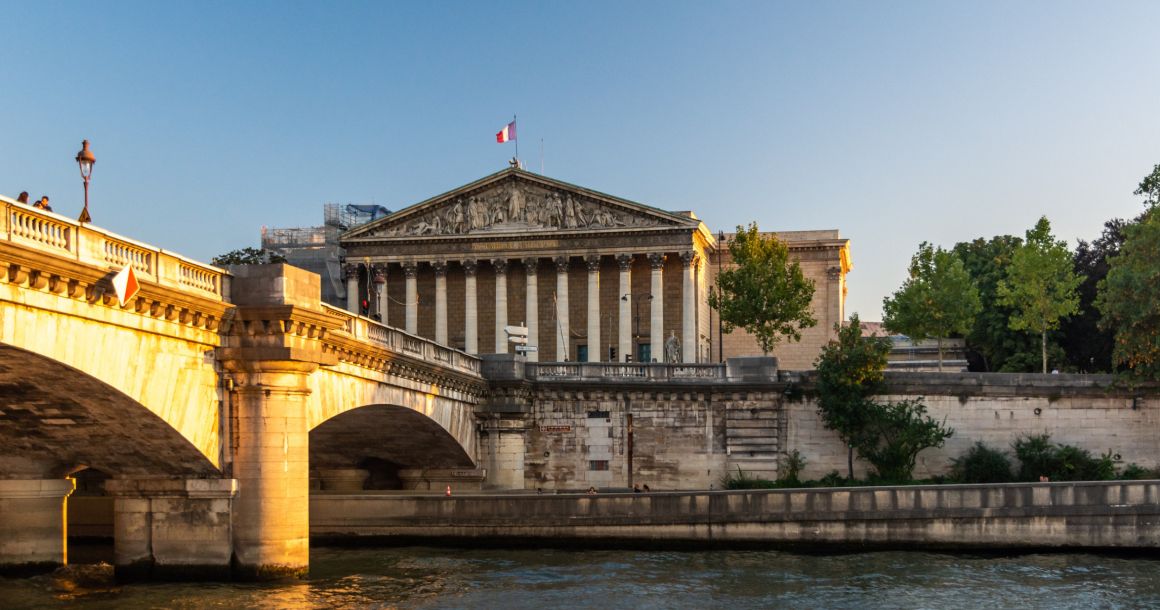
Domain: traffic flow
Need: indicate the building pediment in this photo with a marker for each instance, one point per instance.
(515, 201)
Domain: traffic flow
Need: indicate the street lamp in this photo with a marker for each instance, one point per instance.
(85, 160)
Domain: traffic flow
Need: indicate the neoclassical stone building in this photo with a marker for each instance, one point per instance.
(593, 277)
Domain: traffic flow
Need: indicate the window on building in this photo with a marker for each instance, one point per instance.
(581, 353)
(644, 352)
(597, 464)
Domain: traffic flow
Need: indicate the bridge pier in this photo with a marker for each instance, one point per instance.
(32, 523)
(274, 345)
(172, 528)
(503, 450)
(272, 465)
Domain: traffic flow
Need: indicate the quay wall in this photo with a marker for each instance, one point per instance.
(1103, 515)
(672, 437)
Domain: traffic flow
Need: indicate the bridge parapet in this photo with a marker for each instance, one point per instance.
(400, 342)
(60, 236)
(755, 369)
(620, 371)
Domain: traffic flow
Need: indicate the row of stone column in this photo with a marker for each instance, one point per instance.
(690, 265)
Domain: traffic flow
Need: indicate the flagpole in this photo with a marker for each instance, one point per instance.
(517, 139)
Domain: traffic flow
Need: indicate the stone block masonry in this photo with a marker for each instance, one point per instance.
(1102, 515)
(689, 436)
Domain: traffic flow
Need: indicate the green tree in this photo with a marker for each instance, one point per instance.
(765, 292)
(249, 256)
(889, 435)
(896, 433)
(849, 373)
(1149, 188)
(939, 299)
(991, 346)
(1129, 298)
(1088, 346)
(1040, 286)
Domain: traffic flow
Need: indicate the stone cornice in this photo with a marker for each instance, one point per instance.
(69, 278)
(514, 174)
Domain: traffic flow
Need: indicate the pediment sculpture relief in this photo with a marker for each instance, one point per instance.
(516, 208)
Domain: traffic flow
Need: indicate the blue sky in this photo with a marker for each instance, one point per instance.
(895, 122)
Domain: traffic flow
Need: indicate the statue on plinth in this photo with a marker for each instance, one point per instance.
(672, 348)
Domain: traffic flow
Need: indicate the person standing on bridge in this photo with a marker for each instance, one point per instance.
(43, 204)
(22, 198)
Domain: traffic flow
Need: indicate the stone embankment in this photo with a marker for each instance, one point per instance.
(1088, 515)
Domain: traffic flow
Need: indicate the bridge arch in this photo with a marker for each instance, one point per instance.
(340, 402)
(55, 418)
(385, 439)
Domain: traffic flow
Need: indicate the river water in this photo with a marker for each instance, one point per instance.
(424, 577)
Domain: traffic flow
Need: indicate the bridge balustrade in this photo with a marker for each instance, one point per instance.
(55, 234)
(619, 371)
(397, 340)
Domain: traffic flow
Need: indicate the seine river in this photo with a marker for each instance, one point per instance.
(422, 577)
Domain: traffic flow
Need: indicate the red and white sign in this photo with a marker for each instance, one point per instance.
(126, 285)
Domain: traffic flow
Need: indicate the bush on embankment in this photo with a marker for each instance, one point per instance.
(1036, 456)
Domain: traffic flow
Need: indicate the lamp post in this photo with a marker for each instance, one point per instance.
(85, 160)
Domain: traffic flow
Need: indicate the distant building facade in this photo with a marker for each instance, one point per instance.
(593, 277)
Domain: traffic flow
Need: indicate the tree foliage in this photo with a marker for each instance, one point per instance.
(1089, 347)
(1129, 298)
(991, 344)
(888, 435)
(1040, 286)
(249, 256)
(895, 434)
(1149, 188)
(939, 299)
(765, 292)
(849, 372)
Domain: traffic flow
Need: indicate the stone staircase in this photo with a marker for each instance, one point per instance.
(752, 440)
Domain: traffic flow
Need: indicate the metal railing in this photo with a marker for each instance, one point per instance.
(57, 235)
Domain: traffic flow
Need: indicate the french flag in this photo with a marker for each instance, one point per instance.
(507, 134)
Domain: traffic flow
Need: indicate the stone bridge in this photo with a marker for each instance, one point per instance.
(207, 399)
(212, 401)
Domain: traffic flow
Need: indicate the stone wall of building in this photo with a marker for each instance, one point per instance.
(824, 258)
